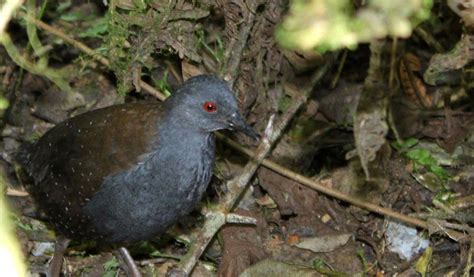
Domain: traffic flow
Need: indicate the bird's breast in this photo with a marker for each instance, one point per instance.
(148, 199)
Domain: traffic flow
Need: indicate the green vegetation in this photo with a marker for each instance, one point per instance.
(421, 157)
(111, 267)
(324, 25)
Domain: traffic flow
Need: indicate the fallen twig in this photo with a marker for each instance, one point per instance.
(324, 186)
(15, 192)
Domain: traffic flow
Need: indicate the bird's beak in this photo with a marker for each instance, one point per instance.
(238, 123)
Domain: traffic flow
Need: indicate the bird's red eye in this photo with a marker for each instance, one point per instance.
(210, 107)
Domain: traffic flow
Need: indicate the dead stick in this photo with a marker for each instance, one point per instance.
(81, 46)
(320, 187)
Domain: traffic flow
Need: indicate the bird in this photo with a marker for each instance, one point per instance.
(126, 173)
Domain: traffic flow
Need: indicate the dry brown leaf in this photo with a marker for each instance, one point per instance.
(189, 70)
(413, 85)
(293, 239)
(324, 243)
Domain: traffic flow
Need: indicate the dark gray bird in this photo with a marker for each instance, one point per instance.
(126, 173)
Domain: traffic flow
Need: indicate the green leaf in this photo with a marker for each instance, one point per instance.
(409, 143)
(439, 171)
(76, 16)
(111, 264)
(417, 154)
(62, 6)
(405, 144)
(427, 159)
(318, 263)
(4, 103)
(424, 261)
(24, 226)
(445, 196)
(284, 103)
(99, 28)
(163, 85)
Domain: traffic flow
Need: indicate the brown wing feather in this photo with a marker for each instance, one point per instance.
(68, 164)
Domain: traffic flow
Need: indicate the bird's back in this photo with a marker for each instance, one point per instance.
(70, 162)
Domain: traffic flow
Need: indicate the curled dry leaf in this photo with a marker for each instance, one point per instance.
(266, 201)
(413, 86)
(303, 61)
(324, 243)
(189, 70)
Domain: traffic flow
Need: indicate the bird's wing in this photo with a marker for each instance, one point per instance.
(70, 161)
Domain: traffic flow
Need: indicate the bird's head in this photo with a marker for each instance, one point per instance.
(206, 102)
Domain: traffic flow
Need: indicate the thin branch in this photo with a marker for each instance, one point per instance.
(89, 51)
(342, 62)
(429, 39)
(54, 76)
(77, 44)
(324, 187)
(234, 53)
(33, 39)
(15, 192)
(393, 63)
(469, 263)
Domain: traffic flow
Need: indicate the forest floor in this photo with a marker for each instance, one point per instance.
(317, 212)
